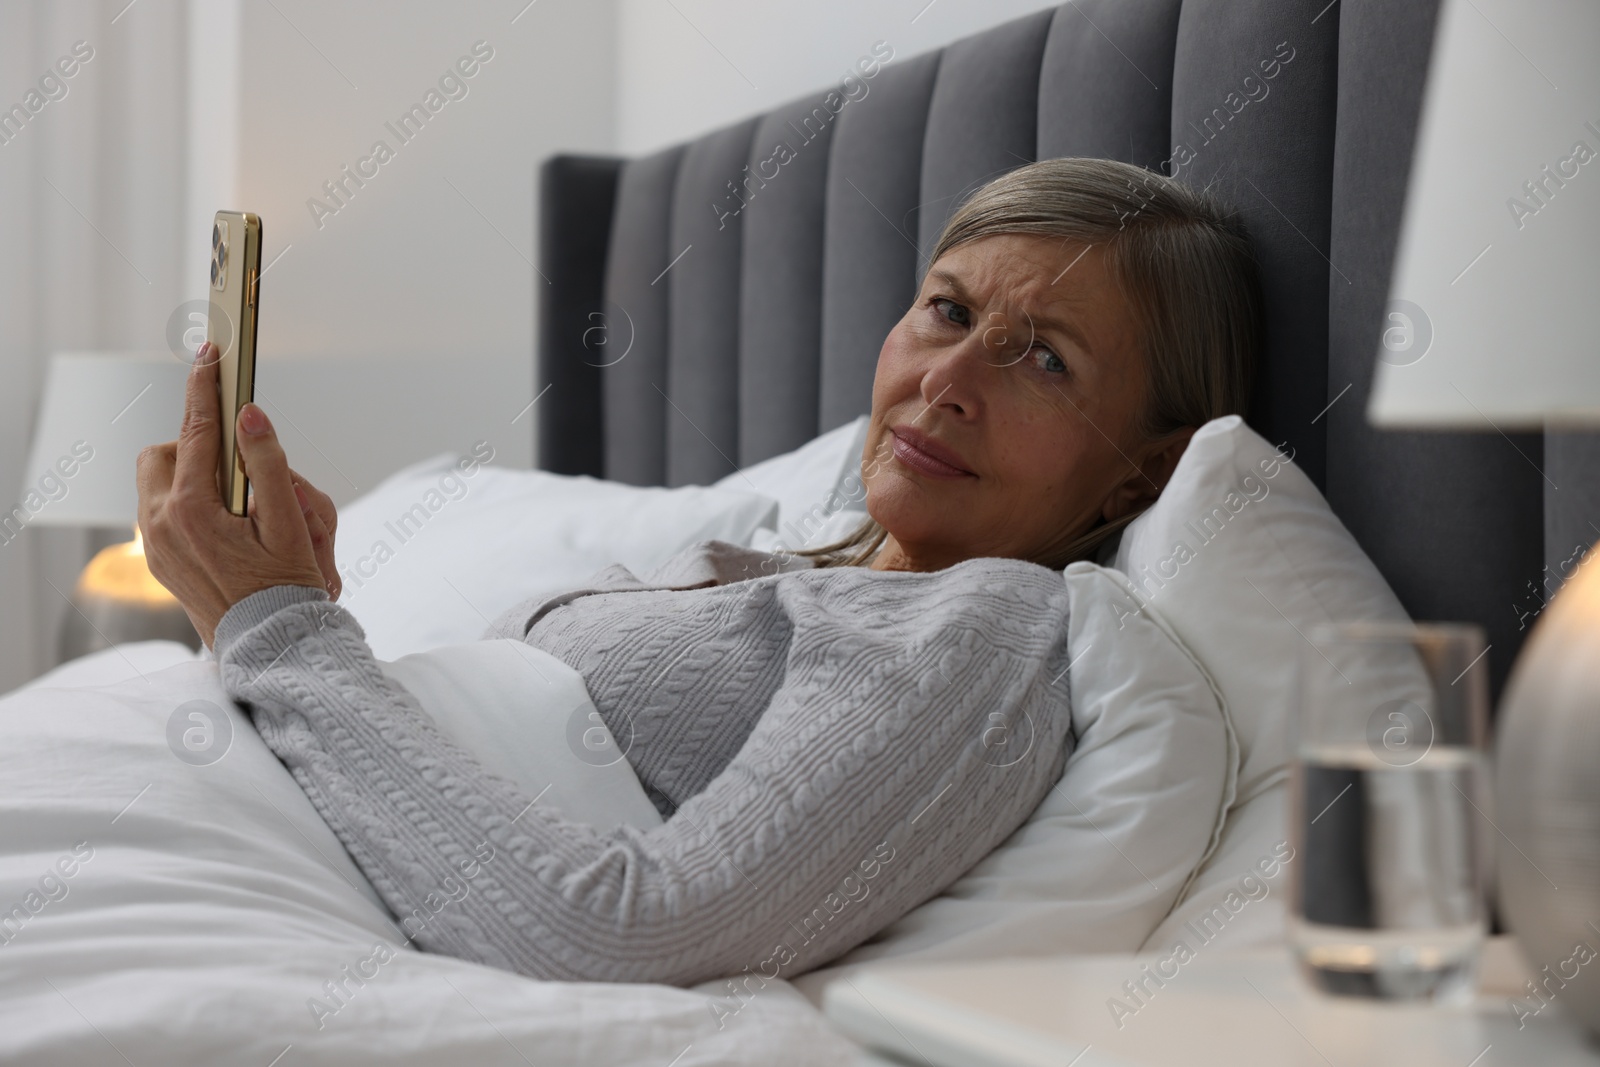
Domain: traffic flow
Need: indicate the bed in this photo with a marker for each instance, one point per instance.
(708, 356)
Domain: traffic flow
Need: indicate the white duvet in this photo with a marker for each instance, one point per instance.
(196, 910)
(169, 895)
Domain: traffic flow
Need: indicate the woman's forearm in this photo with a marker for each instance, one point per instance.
(836, 818)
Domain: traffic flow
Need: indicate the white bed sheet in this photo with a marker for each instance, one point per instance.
(208, 906)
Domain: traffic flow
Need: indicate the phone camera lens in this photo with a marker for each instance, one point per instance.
(216, 236)
(213, 272)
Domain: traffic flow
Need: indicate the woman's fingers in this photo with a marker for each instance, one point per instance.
(200, 437)
(281, 525)
(321, 502)
(167, 522)
(322, 545)
(153, 470)
(317, 528)
(153, 475)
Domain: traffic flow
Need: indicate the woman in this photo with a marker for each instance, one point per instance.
(835, 737)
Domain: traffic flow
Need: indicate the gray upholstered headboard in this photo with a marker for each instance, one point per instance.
(686, 331)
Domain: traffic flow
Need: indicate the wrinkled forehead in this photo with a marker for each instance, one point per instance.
(1041, 268)
(1052, 282)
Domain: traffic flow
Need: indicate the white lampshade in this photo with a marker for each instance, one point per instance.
(1494, 311)
(108, 405)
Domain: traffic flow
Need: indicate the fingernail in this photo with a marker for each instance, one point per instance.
(254, 420)
(305, 502)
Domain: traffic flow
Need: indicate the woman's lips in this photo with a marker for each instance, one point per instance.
(918, 451)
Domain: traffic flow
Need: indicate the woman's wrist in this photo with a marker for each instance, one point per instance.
(256, 608)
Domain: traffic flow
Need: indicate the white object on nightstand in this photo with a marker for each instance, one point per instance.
(97, 412)
(1231, 1010)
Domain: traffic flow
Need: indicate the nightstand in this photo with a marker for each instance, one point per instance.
(1229, 1010)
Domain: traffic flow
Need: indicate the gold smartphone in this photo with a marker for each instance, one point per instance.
(231, 327)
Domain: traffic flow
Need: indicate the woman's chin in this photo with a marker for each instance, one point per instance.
(911, 518)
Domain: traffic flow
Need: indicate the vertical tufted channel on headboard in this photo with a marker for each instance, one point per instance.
(982, 120)
(751, 275)
(701, 392)
(1254, 87)
(1109, 101)
(780, 325)
(869, 255)
(634, 321)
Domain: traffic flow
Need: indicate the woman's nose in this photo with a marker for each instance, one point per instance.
(957, 378)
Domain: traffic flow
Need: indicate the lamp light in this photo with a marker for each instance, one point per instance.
(1492, 324)
(99, 409)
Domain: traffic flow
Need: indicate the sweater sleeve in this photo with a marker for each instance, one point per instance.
(851, 802)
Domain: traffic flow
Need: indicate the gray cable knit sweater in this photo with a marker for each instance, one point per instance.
(832, 747)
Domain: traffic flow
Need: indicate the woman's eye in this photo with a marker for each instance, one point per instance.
(1046, 360)
(952, 311)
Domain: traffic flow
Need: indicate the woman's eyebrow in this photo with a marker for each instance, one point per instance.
(953, 283)
(1056, 322)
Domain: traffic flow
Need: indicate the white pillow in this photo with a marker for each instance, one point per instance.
(1242, 555)
(527, 717)
(817, 486)
(432, 555)
(1240, 897)
(1137, 810)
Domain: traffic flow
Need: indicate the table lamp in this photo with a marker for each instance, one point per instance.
(1494, 323)
(98, 411)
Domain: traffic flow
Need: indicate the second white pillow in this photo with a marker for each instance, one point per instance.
(1242, 556)
(431, 556)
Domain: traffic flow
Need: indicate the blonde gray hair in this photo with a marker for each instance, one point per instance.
(1182, 260)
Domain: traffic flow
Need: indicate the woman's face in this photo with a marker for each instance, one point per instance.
(1005, 408)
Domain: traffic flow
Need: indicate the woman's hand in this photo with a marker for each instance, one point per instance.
(208, 557)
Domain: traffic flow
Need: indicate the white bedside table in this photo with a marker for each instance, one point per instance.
(1228, 1010)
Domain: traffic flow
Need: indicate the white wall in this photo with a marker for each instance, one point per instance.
(211, 176)
(422, 282)
(689, 66)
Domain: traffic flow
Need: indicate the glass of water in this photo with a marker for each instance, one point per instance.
(1389, 810)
